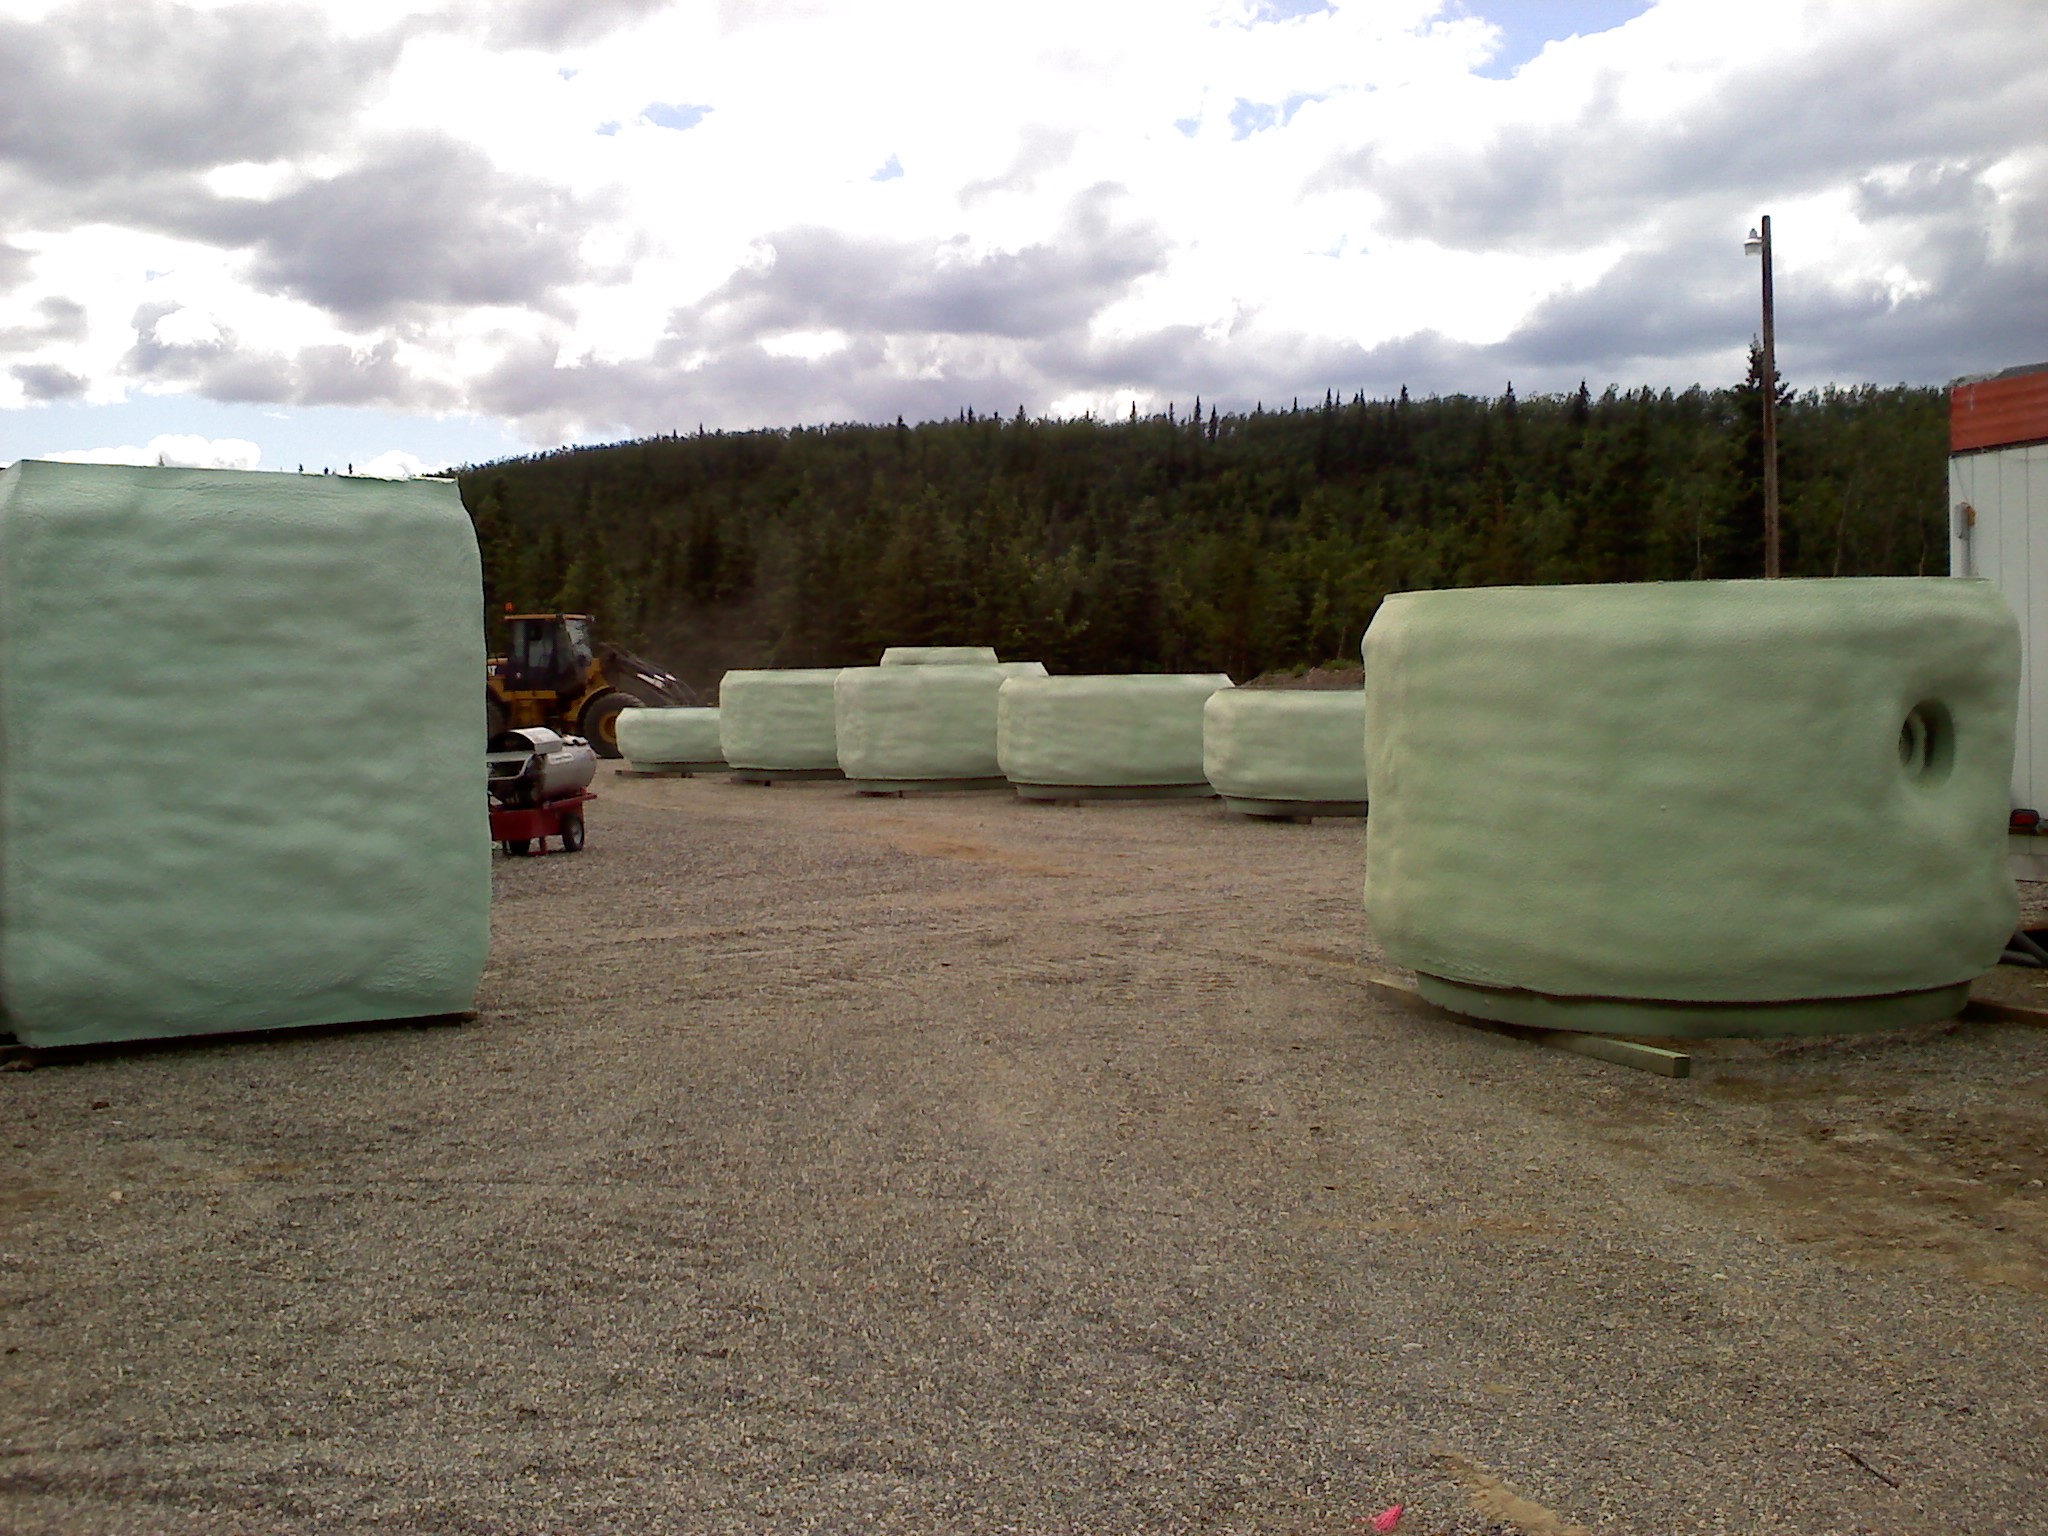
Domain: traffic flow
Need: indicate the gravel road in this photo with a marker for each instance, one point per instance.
(820, 1163)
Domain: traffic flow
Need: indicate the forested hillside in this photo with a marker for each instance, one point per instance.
(1199, 541)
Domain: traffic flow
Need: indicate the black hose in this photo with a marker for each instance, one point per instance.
(2021, 949)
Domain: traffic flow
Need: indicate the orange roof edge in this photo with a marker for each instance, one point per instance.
(1999, 410)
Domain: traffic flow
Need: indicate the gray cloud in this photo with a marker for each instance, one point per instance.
(153, 358)
(1170, 360)
(426, 220)
(57, 320)
(821, 278)
(1983, 306)
(1979, 301)
(740, 15)
(249, 378)
(1676, 314)
(745, 386)
(1040, 149)
(549, 23)
(1673, 315)
(226, 370)
(1666, 315)
(421, 221)
(1691, 297)
(350, 376)
(741, 386)
(1929, 189)
(125, 87)
(114, 113)
(1813, 122)
(46, 381)
(1249, 366)
(1677, 310)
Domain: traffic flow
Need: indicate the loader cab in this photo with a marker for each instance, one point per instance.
(548, 653)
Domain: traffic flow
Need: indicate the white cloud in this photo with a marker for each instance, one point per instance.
(458, 234)
(808, 345)
(179, 451)
(395, 464)
(187, 328)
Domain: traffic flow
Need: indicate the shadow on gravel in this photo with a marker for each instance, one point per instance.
(16, 1057)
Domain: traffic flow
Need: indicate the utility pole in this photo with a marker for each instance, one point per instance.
(1759, 244)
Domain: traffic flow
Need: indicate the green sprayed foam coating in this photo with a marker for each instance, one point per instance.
(241, 777)
(657, 736)
(939, 656)
(1104, 732)
(1658, 1020)
(1710, 792)
(780, 719)
(1286, 744)
(911, 723)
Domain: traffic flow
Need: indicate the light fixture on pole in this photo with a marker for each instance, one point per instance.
(1759, 244)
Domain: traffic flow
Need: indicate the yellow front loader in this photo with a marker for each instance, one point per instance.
(557, 674)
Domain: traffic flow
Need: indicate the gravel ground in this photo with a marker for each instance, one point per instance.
(820, 1163)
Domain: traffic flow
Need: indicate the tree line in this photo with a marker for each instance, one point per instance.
(1200, 541)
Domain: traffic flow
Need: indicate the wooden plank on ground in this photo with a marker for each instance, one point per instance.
(1625, 1053)
(1986, 1010)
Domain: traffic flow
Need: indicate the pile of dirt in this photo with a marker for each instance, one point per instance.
(1312, 677)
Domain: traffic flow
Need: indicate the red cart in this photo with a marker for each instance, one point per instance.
(525, 829)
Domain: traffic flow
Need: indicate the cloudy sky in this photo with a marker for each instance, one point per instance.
(422, 232)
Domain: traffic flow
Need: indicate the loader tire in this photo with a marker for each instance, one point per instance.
(495, 718)
(600, 723)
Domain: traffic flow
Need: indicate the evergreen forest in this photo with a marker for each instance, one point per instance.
(1244, 543)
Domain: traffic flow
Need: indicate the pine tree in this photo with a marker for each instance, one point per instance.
(1100, 546)
(1735, 548)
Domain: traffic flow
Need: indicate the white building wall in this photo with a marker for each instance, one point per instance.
(2006, 542)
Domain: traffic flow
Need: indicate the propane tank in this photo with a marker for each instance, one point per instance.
(532, 765)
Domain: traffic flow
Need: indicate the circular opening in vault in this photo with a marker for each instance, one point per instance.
(1927, 742)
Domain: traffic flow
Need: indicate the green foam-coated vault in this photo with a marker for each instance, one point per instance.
(1135, 732)
(1715, 799)
(779, 720)
(1286, 746)
(906, 725)
(655, 737)
(939, 656)
(241, 728)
